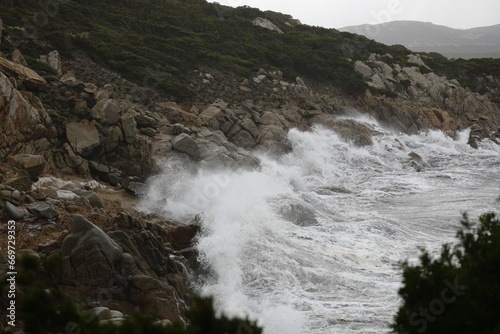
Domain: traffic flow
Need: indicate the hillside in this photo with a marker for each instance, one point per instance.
(95, 95)
(483, 42)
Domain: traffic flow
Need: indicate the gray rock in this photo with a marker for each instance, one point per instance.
(298, 213)
(243, 139)
(144, 283)
(98, 168)
(164, 322)
(83, 137)
(363, 69)
(13, 212)
(102, 313)
(94, 199)
(136, 188)
(416, 157)
(112, 136)
(129, 127)
(92, 253)
(209, 116)
(116, 314)
(185, 144)
(265, 23)
(146, 121)
(42, 210)
(106, 112)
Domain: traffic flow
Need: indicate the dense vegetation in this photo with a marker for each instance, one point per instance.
(166, 39)
(42, 308)
(157, 43)
(459, 292)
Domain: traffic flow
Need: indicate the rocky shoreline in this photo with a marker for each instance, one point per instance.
(76, 150)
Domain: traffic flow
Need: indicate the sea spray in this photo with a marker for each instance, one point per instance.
(371, 209)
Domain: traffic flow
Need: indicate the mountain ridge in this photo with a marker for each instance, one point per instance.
(479, 42)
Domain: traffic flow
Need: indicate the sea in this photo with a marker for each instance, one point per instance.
(312, 241)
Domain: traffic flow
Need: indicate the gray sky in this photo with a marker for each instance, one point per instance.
(460, 14)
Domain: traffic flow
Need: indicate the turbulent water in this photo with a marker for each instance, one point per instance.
(311, 241)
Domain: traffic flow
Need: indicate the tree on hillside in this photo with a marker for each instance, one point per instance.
(459, 292)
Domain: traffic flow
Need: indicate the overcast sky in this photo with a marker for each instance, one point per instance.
(460, 14)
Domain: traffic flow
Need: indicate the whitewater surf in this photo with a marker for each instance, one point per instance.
(311, 241)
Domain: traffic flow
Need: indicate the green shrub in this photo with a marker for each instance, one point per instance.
(459, 292)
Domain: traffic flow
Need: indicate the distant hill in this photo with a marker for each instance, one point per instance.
(481, 42)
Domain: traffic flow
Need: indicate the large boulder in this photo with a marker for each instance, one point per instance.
(265, 23)
(27, 76)
(33, 164)
(106, 112)
(185, 144)
(53, 59)
(42, 210)
(92, 254)
(129, 127)
(363, 69)
(25, 126)
(83, 137)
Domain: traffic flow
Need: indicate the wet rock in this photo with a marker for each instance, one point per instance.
(415, 157)
(298, 213)
(43, 210)
(182, 236)
(13, 212)
(136, 188)
(185, 144)
(243, 139)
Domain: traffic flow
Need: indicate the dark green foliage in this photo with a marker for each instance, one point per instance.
(167, 39)
(42, 308)
(162, 41)
(459, 292)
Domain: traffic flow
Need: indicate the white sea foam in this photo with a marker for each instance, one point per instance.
(372, 208)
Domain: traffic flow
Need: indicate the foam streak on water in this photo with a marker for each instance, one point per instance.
(366, 208)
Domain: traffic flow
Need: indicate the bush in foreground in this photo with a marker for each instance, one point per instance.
(459, 292)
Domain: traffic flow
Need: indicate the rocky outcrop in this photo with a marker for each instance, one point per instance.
(131, 264)
(1, 30)
(266, 24)
(53, 59)
(27, 76)
(83, 137)
(425, 100)
(25, 126)
(33, 164)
